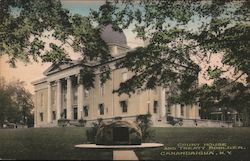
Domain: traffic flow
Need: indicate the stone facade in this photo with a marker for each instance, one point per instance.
(59, 95)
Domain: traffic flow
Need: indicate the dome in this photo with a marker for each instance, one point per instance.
(109, 35)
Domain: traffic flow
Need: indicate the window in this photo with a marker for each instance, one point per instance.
(124, 106)
(148, 107)
(169, 109)
(155, 107)
(41, 116)
(75, 113)
(86, 111)
(101, 87)
(182, 109)
(64, 97)
(101, 109)
(54, 115)
(75, 97)
(124, 76)
(64, 113)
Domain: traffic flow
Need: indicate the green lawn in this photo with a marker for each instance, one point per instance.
(58, 143)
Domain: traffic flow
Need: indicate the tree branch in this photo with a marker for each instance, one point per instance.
(233, 80)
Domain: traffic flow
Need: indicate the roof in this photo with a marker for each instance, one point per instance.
(39, 81)
(109, 35)
(54, 68)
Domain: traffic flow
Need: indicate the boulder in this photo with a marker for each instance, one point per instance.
(118, 133)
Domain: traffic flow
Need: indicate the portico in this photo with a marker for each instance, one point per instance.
(71, 101)
(63, 96)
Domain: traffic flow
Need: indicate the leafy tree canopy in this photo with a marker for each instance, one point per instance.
(26, 26)
(16, 103)
(177, 31)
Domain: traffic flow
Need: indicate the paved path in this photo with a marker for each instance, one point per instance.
(124, 155)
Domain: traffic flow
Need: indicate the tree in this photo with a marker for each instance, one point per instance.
(26, 25)
(175, 35)
(166, 23)
(236, 96)
(7, 109)
(144, 122)
(178, 31)
(16, 104)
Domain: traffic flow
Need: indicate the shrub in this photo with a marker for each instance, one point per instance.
(91, 133)
(63, 122)
(82, 122)
(175, 121)
(144, 122)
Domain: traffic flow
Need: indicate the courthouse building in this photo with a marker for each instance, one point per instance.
(60, 95)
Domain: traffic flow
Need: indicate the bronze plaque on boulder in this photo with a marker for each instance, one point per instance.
(121, 135)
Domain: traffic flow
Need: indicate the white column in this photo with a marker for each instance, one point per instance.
(113, 94)
(59, 99)
(178, 110)
(148, 102)
(49, 103)
(79, 98)
(36, 106)
(69, 98)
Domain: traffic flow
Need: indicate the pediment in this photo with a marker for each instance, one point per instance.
(54, 68)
